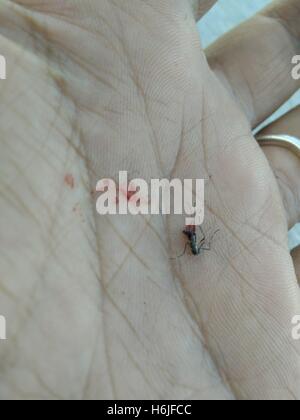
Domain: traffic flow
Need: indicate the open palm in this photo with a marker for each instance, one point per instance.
(95, 306)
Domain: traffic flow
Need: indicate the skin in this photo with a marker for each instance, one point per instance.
(95, 307)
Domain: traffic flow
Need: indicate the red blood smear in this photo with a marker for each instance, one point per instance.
(130, 194)
(190, 228)
(127, 194)
(69, 181)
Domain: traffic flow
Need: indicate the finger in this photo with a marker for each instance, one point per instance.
(286, 165)
(255, 59)
(296, 258)
(201, 7)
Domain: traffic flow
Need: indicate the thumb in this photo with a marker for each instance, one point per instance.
(201, 7)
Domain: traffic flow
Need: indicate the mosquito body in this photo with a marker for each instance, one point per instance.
(195, 245)
(190, 233)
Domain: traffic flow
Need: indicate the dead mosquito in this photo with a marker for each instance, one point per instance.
(195, 245)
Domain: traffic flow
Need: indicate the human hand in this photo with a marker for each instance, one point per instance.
(95, 307)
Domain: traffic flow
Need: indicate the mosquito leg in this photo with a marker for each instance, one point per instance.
(184, 252)
(201, 243)
(213, 236)
(207, 247)
(202, 233)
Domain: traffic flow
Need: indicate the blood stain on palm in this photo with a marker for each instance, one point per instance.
(69, 181)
